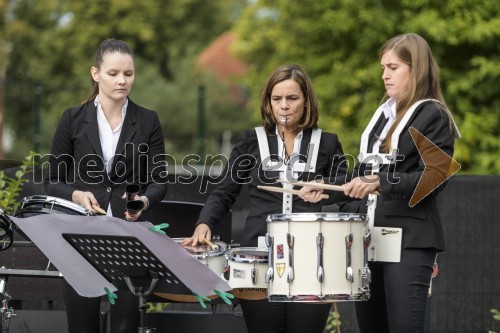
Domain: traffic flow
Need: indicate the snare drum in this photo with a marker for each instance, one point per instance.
(245, 272)
(41, 204)
(213, 258)
(5, 231)
(318, 257)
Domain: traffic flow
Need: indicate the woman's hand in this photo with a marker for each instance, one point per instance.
(133, 217)
(360, 187)
(201, 233)
(85, 199)
(311, 194)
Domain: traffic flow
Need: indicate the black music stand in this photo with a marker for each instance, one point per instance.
(98, 253)
(128, 264)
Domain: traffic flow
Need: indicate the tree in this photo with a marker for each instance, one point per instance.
(337, 41)
(54, 43)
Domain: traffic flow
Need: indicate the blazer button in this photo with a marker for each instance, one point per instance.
(108, 189)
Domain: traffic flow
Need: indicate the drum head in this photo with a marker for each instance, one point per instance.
(201, 251)
(41, 204)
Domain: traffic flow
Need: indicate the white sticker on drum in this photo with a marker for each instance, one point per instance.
(239, 274)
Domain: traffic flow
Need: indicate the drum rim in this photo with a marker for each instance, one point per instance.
(315, 217)
(229, 255)
(206, 254)
(53, 200)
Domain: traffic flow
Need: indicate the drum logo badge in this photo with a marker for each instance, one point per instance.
(279, 251)
(280, 268)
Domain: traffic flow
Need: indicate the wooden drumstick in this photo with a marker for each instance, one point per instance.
(98, 209)
(319, 185)
(212, 245)
(285, 190)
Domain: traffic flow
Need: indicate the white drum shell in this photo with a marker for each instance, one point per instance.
(240, 269)
(305, 227)
(212, 258)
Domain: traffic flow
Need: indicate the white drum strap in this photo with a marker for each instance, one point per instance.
(377, 159)
(291, 168)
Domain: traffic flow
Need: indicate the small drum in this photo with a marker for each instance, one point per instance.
(213, 258)
(41, 204)
(5, 231)
(246, 272)
(318, 257)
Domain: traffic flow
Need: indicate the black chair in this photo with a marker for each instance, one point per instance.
(182, 216)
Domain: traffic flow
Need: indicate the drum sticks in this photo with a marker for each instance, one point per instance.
(285, 190)
(99, 209)
(212, 245)
(319, 185)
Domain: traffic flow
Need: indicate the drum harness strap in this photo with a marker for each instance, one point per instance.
(288, 170)
(376, 160)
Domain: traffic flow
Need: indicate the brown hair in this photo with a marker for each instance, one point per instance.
(414, 51)
(107, 46)
(296, 73)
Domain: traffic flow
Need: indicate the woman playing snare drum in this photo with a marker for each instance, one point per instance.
(414, 108)
(289, 112)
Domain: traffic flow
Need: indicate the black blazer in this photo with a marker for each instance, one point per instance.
(76, 161)
(244, 167)
(421, 223)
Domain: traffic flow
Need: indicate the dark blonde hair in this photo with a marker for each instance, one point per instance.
(107, 46)
(424, 83)
(296, 73)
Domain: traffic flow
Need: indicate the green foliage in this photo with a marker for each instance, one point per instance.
(333, 323)
(53, 43)
(11, 186)
(496, 314)
(337, 42)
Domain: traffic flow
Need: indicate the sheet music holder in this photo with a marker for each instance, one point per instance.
(128, 264)
(58, 236)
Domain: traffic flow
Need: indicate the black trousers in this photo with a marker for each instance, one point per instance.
(399, 294)
(278, 317)
(84, 314)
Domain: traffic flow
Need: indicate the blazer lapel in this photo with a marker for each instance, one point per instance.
(127, 133)
(92, 128)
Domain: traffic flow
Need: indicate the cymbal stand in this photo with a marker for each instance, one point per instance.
(6, 313)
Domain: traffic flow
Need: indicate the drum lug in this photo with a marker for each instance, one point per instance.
(254, 275)
(348, 244)
(319, 244)
(291, 272)
(366, 275)
(366, 278)
(270, 270)
(227, 272)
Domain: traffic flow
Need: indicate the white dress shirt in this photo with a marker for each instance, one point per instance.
(296, 149)
(108, 137)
